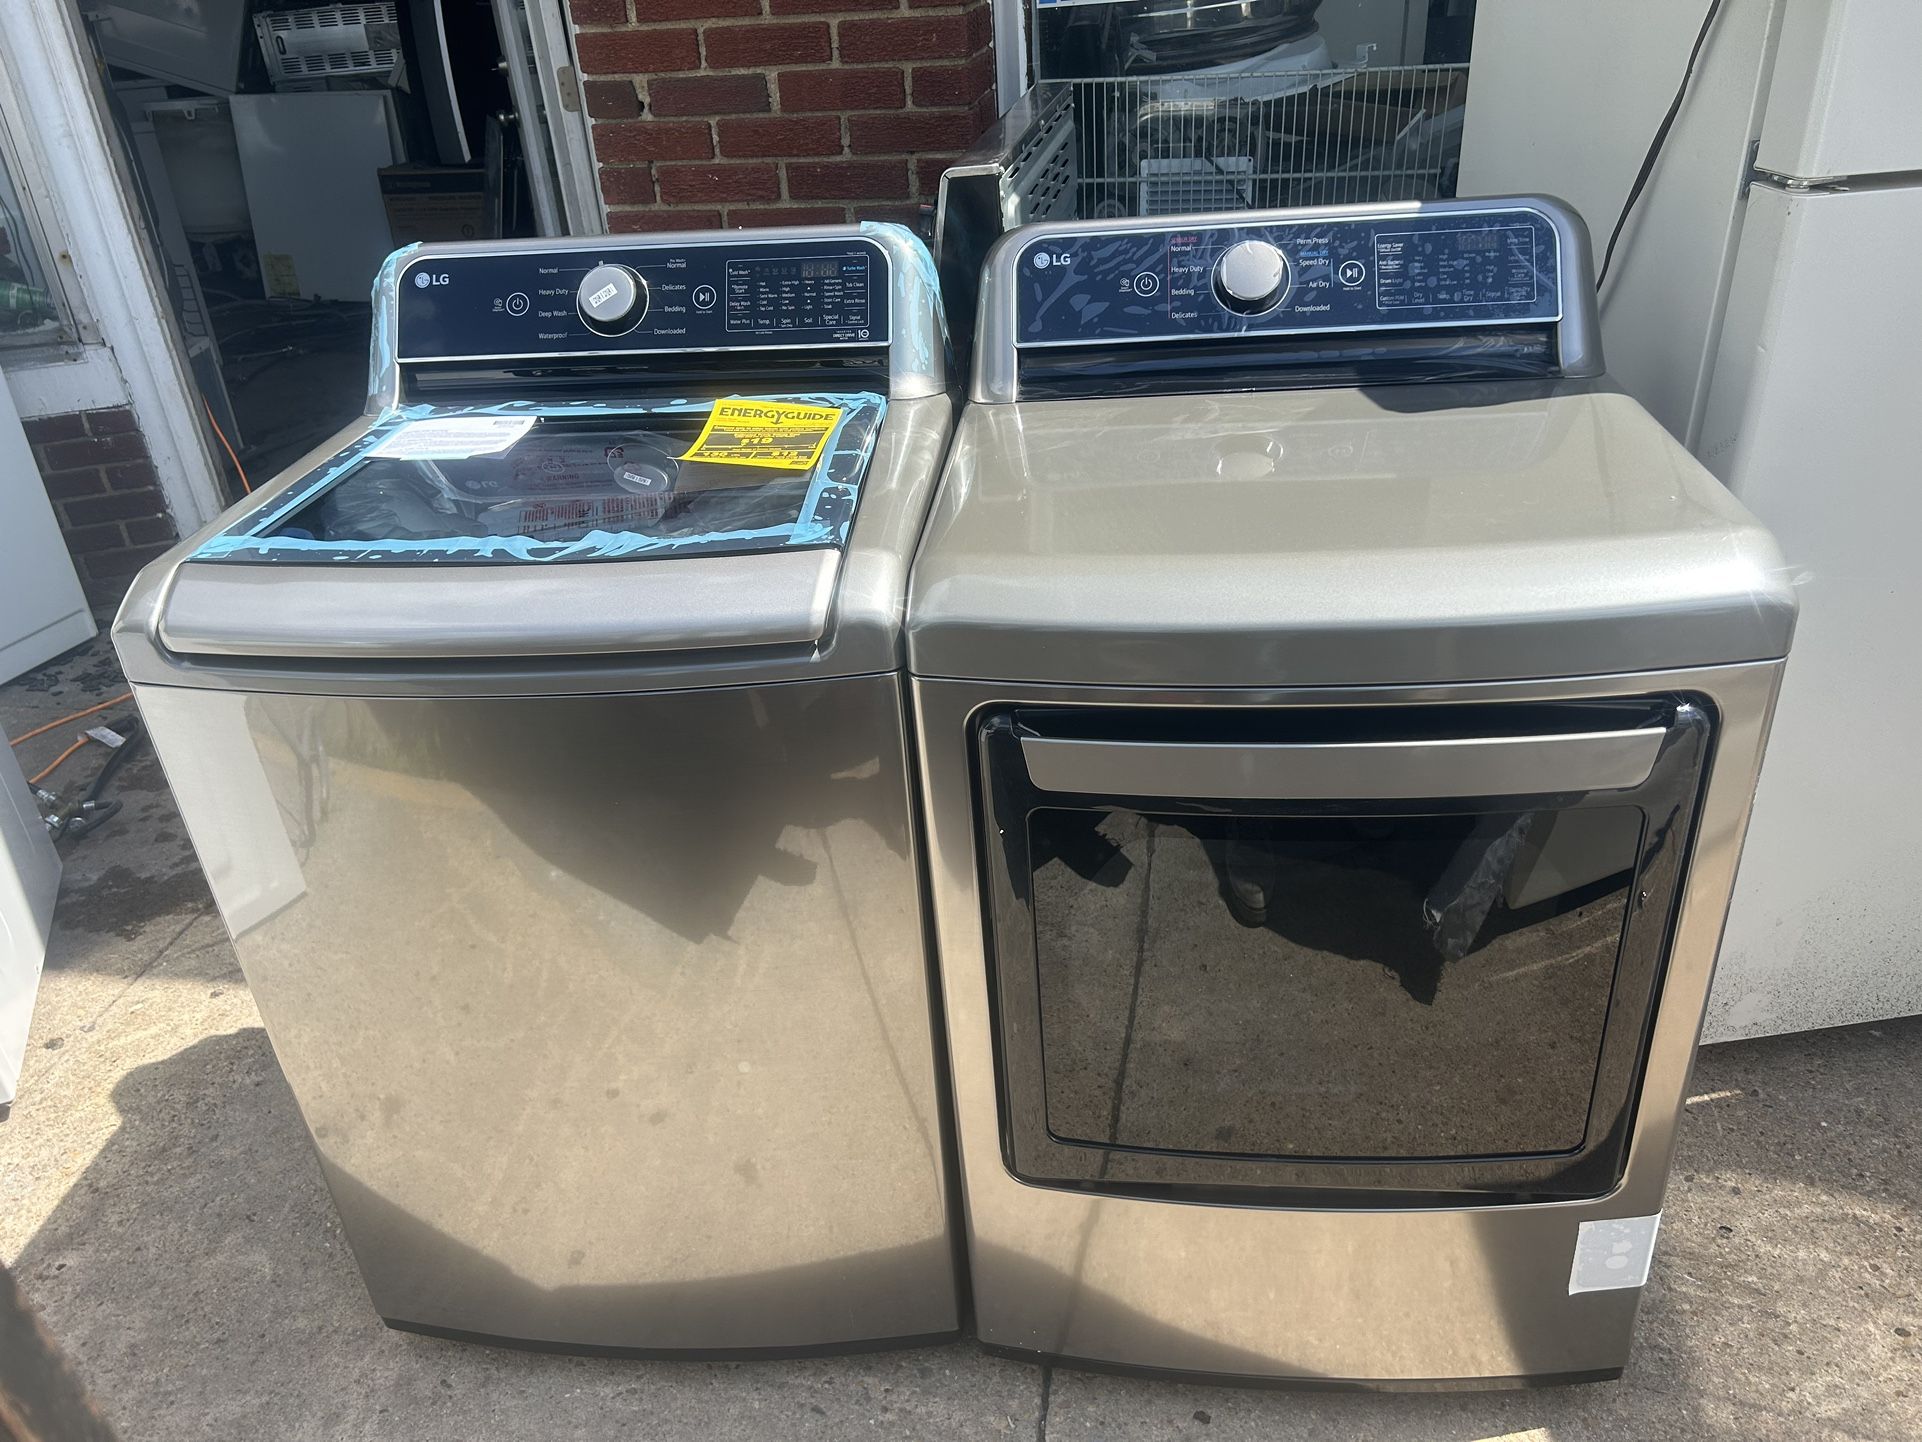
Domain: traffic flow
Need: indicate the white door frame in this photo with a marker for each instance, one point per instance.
(52, 92)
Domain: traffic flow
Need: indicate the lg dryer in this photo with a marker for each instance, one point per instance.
(1338, 711)
(542, 737)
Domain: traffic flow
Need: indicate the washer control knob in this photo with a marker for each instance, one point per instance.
(612, 299)
(1250, 276)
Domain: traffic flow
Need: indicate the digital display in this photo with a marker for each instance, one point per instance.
(787, 293)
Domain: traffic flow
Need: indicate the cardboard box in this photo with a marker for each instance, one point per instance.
(436, 202)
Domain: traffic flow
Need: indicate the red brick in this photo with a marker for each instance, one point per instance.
(814, 90)
(598, 12)
(132, 476)
(632, 220)
(984, 113)
(918, 37)
(708, 95)
(847, 179)
(66, 455)
(638, 52)
(64, 485)
(749, 215)
(113, 564)
(737, 47)
(634, 140)
(944, 4)
(980, 29)
(907, 213)
(954, 84)
(927, 173)
(825, 7)
(612, 99)
(781, 136)
(42, 429)
(627, 185)
(87, 540)
(149, 529)
(908, 132)
(694, 184)
(111, 508)
(115, 421)
(649, 11)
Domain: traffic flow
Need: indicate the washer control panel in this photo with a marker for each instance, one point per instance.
(610, 298)
(1384, 270)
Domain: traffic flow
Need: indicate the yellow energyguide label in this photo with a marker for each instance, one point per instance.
(772, 434)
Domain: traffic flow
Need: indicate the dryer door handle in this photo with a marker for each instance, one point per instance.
(1347, 770)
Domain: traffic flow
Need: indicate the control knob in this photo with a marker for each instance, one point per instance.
(612, 299)
(1250, 277)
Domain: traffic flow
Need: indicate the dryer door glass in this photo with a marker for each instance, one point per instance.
(1331, 979)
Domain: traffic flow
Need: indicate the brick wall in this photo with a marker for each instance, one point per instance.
(768, 112)
(105, 493)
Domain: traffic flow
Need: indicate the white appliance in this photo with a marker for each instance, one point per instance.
(1763, 305)
(42, 613)
(29, 880)
(1810, 420)
(42, 609)
(312, 164)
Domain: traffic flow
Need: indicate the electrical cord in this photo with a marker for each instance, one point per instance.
(74, 716)
(245, 484)
(1661, 139)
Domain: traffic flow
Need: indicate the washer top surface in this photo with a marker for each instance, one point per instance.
(1400, 535)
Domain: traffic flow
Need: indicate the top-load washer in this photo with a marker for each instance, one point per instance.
(1338, 711)
(542, 738)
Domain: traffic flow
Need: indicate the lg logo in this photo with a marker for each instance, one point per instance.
(422, 279)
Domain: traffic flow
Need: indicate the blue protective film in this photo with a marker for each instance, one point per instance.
(599, 480)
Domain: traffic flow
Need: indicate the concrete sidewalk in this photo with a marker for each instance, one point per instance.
(159, 1203)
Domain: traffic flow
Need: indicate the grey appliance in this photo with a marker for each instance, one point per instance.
(550, 770)
(1338, 714)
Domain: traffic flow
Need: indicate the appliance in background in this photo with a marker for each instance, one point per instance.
(202, 45)
(544, 745)
(1171, 107)
(29, 885)
(42, 613)
(1338, 709)
(42, 609)
(312, 163)
(1763, 314)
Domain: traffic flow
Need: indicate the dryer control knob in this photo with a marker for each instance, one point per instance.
(1250, 276)
(612, 299)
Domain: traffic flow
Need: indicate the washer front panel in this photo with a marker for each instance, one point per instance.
(1394, 270)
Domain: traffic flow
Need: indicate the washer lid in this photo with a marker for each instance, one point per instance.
(1407, 535)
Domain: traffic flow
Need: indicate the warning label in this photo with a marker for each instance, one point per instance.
(770, 434)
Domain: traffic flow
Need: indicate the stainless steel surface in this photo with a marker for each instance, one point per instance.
(1337, 770)
(1377, 1296)
(862, 635)
(917, 350)
(688, 603)
(995, 379)
(608, 1015)
(1401, 535)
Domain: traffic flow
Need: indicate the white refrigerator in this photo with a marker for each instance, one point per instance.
(1812, 419)
(1765, 305)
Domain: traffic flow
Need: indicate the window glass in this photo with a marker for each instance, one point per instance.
(32, 309)
(1382, 986)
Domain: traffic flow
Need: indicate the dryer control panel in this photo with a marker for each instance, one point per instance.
(1386, 268)
(610, 298)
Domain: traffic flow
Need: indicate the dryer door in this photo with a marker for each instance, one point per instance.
(1394, 951)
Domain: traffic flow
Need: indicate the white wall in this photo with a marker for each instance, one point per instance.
(1565, 98)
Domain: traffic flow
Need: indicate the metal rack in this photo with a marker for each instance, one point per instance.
(1198, 141)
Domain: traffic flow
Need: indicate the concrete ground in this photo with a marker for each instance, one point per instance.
(160, 1205)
